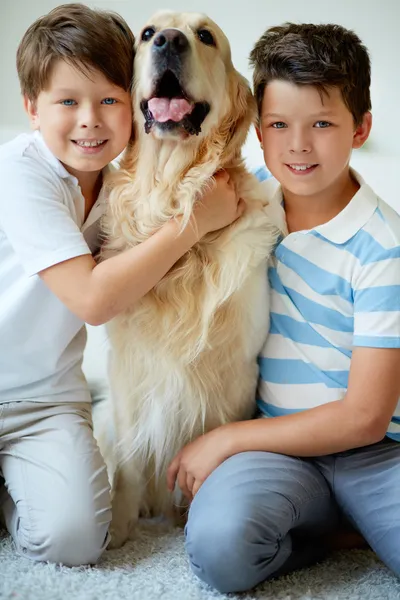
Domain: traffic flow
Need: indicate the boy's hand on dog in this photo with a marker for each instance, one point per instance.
(197, 460)
(219, 206)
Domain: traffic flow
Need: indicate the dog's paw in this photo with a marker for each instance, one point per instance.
(121, 531)
(119, 535)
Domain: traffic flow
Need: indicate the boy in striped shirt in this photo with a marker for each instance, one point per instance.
(266, 491)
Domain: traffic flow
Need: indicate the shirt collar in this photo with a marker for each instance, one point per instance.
(99, 206)
(351, 219)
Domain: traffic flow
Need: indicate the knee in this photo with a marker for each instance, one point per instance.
(394, 565)
(389, 555)
(226, 550)
(77, 542)
(75, 538)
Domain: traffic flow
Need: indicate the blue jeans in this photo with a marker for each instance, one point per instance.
(260, 514)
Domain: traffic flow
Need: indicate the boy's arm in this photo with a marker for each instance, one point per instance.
(98, 292)
(360, 419)
(363, 416)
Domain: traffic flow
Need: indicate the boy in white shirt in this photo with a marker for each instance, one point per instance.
(75, 69)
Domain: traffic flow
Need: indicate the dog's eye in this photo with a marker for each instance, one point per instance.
(147, 34)
(206, 37)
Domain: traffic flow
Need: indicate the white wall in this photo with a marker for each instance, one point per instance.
(375, 21)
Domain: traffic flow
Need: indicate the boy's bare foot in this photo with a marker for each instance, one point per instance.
(345, 539)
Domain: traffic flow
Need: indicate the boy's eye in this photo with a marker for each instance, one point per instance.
(322, 124)
(109, 101)
(279, 125)
(68, 102)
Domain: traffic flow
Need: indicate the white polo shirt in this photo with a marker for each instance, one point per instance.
(333, 287)
(41, 224)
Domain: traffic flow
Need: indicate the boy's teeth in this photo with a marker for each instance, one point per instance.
(300, 167)
(89, 144)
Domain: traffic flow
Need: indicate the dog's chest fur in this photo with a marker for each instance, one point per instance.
(184, 357)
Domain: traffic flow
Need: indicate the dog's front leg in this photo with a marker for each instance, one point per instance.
(127, 495)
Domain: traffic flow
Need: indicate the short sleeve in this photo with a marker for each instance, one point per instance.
(35, 218)
(262, 173)
(376, 292)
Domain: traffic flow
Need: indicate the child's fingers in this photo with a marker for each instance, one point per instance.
(172, 472)
(182, 482)
(222, 175)
(241, 206)
(190, 480)
(196, 487)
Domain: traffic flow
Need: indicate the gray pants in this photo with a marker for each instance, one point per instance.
(56, 497)
(259, 514)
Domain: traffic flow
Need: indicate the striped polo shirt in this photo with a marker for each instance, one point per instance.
(333, 287)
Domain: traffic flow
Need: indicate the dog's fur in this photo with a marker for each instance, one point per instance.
(183, 358)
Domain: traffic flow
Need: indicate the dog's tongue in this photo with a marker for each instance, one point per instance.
(166, 109)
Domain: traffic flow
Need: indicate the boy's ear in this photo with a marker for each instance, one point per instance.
(31, 111)
(362, 131)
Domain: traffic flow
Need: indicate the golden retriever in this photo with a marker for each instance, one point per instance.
(183, 358)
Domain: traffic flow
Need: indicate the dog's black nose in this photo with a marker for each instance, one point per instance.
(171, 40)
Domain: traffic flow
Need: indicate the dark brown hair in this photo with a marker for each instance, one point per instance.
(87, 39)
(324, 56)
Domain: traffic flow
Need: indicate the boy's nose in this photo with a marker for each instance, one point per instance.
(300, 148)
(300, 143)
(89, 117)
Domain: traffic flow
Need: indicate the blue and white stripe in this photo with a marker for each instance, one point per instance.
(334, 287)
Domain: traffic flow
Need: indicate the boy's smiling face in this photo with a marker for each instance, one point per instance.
(308, 137)
(85, 119)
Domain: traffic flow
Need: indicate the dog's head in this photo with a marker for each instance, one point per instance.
(185, 83)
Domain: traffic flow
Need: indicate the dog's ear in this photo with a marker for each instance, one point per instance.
(241, 116)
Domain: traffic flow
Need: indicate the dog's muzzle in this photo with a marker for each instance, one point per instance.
(169, 106)
(168, 50)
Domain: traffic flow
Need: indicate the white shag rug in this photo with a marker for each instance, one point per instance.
(154, 566)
